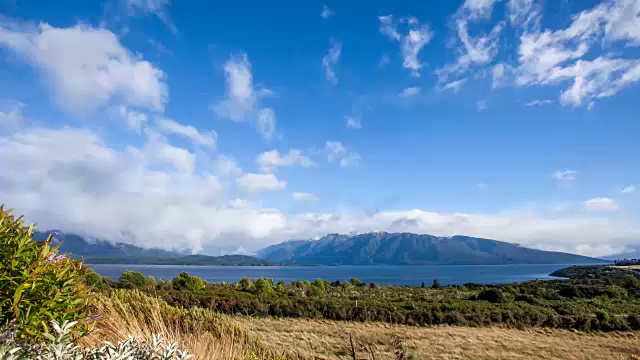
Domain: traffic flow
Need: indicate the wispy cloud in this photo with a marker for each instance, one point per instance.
(326, 12)
(330, 60)
(411, 41)
(565, 175)
(410, 91)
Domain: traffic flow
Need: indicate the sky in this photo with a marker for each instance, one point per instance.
(218, 127)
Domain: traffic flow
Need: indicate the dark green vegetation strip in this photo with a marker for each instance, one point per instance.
(597, 298)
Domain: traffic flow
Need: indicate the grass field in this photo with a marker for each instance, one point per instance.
(321, 339)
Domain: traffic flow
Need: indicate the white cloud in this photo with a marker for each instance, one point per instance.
(537, 102)
(11, 114)
(629, 189)
(336, 151)
(563, 56)
(253, 183)
(330, 60)
(155, 7)
(454, 85)
(565, 175)
(473, 51)
(271, 160)
(241, 97)
(481, 105)
(169, 126)
(157, 149)
(87, 68)
(417, 36)
(523, 13)
(410, 91)
(303, 196)
(326, 12)
(135, 120)
(266, 123)
(69, 179)
(226, 166)
(600, 204)
(353, 122)
(501, 75)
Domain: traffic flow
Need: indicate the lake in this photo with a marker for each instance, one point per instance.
(381, 274)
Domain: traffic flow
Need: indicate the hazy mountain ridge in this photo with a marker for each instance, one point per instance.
(104, 252)
(382, 248)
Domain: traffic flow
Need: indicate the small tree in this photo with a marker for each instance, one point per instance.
(356, 282)
(136, 280)
(245, 283)
(263, 287)
(373, 285)
(319, 284)
(184, 281)
(436, 284)
(423, 285)
(37, 285)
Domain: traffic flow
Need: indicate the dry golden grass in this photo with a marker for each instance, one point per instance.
(629, 267)
(206, 335)
(319, 339)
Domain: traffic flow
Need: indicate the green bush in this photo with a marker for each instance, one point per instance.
(37, 285)
(136, 280)
(185, 281)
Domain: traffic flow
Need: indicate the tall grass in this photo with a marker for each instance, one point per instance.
(205, 334)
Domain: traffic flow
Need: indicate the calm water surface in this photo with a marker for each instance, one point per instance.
(387, 274)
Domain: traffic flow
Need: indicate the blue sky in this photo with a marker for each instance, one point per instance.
(217, 125)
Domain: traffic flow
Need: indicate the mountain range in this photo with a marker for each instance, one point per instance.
(375, 248)
(104, 252)
(412, 249)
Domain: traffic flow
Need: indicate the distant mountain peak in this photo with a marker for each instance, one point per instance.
(380, 247)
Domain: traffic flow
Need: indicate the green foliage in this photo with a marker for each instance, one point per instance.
(187, 282)
(373, 285)
(491, 295)
(245, 284)
(356, 282)
(436, 284)
(320, 284)
(263, 286)
(136, 280)
(37, 285)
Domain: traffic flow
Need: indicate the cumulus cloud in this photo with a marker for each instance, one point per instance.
(330, 60)
(565, 175)
(303, 196)
(253, 183)
(415, 37)
(70, 179)
(86, 68)
(600, 204)
(410, 91)
(169, 126)
(271, 160)
(326, 12)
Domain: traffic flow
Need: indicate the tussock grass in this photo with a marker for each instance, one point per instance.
(325, 339)
(206, 335)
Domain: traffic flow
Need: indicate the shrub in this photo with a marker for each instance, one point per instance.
(245, 283)
(37, 285)
(136, 280)
(491, 295)
(263, 286)
(373, 285)
(356, 282)
(185, 281)
(319, 284)
(436, 284)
